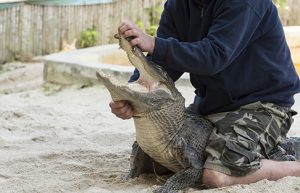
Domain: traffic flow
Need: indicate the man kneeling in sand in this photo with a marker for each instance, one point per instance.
(241, 68)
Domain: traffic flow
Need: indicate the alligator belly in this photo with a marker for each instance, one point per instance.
(158, 150)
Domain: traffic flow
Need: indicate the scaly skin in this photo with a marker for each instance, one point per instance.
(164, 131)
(168, 138)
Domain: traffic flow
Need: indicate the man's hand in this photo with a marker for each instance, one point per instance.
(121, 109)
(144, 41)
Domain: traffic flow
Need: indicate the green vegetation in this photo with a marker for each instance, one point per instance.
(154, 14)
(283, 10)
(280, 3)
(140, 24)
(88, 37)
(152, 30)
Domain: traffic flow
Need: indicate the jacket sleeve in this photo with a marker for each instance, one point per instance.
(232, 28)
(165, 30)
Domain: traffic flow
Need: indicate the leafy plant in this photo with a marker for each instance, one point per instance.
(154, 14)
(140, 24)
(154, 17)
(88, 37)
(152, 30)
(280, 3)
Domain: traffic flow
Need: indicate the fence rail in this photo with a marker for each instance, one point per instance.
(28, 30)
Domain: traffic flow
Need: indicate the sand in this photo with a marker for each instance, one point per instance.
(64, 139)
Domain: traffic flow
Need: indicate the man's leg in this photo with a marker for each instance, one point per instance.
(242, 143)
(270, 170)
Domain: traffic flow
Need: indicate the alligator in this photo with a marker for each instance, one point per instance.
(169, 139)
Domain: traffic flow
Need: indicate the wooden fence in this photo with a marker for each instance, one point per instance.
(30, 30)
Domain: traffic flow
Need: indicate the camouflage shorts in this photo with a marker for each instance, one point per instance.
(241, 138)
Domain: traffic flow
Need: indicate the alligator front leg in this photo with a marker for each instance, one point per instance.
(138, 159)
(140, 163)
(181, 180)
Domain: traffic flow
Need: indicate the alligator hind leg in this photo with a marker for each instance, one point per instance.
(292, 146)
(141, 163)
(289, 150)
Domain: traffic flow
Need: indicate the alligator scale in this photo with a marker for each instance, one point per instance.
(168, 138)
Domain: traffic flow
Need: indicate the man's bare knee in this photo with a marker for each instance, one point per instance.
(271, 170)
(214, 179)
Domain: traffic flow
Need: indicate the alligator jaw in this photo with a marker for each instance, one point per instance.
(123, 88)
(136, 94)
(149, 77)
(116, 86)
(153, 90)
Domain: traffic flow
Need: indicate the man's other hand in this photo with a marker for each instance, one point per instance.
(121, 109)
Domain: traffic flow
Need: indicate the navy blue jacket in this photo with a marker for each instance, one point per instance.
(234, 50)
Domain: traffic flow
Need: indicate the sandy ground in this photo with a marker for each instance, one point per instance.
(55, 139)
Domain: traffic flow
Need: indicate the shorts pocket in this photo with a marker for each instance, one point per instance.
(240, 154)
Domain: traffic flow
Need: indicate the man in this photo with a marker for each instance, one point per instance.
(241, 68)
